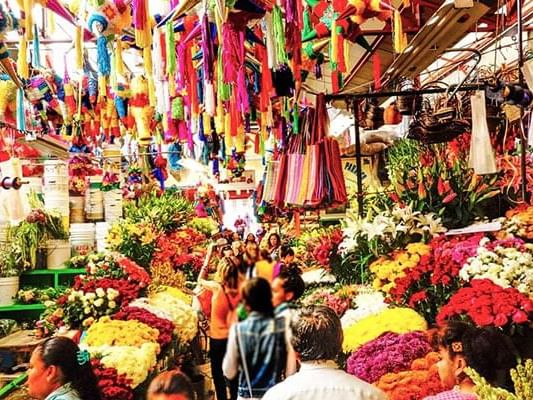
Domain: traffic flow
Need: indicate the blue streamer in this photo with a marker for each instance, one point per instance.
(104, 60)
(36, 50)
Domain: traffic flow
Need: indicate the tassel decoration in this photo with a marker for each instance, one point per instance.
(78, 44)
(21, 117)
(400, 38)
(119, 62)
(51, 20)
(376, 68)
(141, 22)
(103, 58)
(36, 48)
(28, 18)
(178, 111)
(334, 45)
(170, 48)
(279, 35)
(22, 59)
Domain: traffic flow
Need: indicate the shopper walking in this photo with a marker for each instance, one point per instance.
(287, 287)
(256, 346)
(171, 385)
(317, 339)
(224, 302)
(60, 371)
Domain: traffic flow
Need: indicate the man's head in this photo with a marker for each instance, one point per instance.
(316, 333)
(288, 285)
(286, 254)
(171, 385)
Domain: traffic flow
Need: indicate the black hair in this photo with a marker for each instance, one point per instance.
(486, 350)
(257, 295)
(316, 333)
(290, 275)
(276, 235)
(172, 382)
(265, 255)
(62, 352)
(285, 251)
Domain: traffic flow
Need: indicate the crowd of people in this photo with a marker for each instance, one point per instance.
(264, 346)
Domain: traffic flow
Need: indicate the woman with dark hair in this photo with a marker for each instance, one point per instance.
(462, 345)
(273, 245)
(250, 238)
(256, 346)
(226, 298)
(60, 371)
(171, 385)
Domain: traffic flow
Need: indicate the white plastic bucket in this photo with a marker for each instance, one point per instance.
(58, 201)
(58, 253)
(102, 228)
(8, 289)
(55, 167)
(77, 209)
(82, 239)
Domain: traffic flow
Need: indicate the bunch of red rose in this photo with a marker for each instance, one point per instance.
(134, 272)
(112, 385)
(164, 326)
(487, 304)
(435, 278)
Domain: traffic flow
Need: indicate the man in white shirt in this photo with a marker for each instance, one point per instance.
(317, 340)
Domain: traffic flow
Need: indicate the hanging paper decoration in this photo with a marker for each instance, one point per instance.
(9, 23)
(140, 108)
(141, 23)
(107, 18)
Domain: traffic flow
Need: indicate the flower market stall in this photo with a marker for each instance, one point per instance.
(384, 147)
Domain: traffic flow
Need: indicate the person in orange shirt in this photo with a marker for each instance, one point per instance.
(264, 268)
(226, 297)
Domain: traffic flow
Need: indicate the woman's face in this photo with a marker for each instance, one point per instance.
(273, 240)
(250, 238)
(40, 377)
(447, 368)
(227, 251)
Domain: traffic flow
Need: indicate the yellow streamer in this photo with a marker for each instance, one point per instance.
(400, 38)
(119, 63)
(22, 59)
(78, 48)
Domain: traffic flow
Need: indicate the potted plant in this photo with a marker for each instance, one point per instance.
(10, 270)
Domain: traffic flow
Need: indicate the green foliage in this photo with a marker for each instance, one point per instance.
(166, 212)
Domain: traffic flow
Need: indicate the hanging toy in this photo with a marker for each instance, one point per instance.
(8, 97)
(140, 108)
(107, 18)
(8, 23)
(160, 171)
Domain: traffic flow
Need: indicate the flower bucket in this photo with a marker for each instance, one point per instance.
(82, 239)
(55, 168)
(8, 289)
(58, 253)
(102, 229)
(77, 209)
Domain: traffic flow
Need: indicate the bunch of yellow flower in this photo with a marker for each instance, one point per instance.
(120, 333)
(126, 231)
(177, 293)
(387, 270)
(398, 320)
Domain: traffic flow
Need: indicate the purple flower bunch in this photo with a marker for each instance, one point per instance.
(391, 352)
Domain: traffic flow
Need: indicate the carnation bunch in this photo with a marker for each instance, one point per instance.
(418, 382)
(164, 326)
(398, 320)
(435, 278)
(487, 304)
(387, 269)
(134, 362)
(391, 352)
(505, 262)
(112, 385)
(364, 305)
(108, 332)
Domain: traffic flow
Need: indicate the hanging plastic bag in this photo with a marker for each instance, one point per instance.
(481, 158)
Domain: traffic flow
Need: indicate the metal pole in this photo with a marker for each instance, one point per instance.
(523, 138)
(374, 95)
(358, 160)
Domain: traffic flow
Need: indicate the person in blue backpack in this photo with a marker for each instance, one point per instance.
(257, 350)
